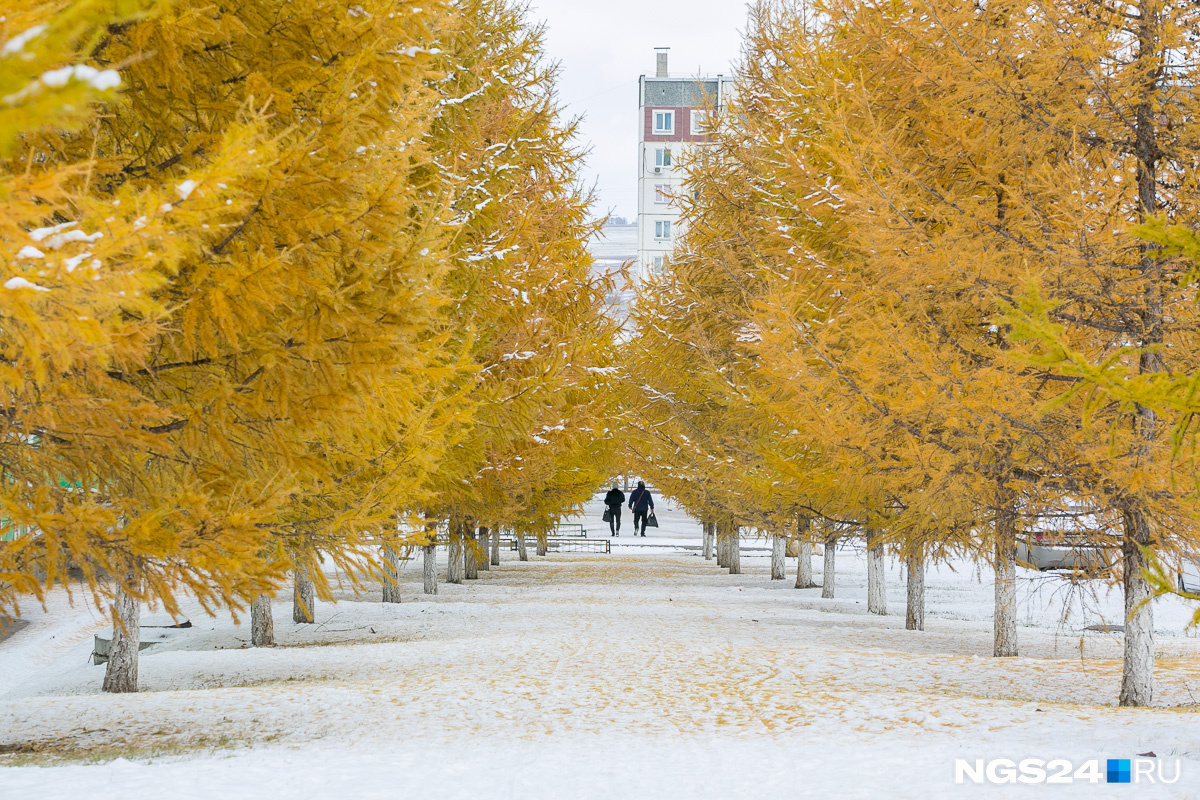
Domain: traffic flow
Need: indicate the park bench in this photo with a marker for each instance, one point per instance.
(562, 530)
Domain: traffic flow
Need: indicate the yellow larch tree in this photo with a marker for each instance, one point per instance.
(524, 306)
(942, 146)
(89, 262)
(314, 284)
(1009, 178)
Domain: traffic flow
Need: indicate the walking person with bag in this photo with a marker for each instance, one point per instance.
(612, 510)
(643, 506)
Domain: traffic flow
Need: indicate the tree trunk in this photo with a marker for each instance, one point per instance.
(804, 570)
(721, 537)
(262, 622)
(914, 616)
(541, 544)
(304, 603)
(454, 553)
(429, 563)
(876, 588)
(1004, 625)
(706, 545)
(522, 549)
(121, 672)
(1137, 675)
(470, 551)
(735, 550)
(484, 562)
(778, 551)
(829, 574)
(391, 575)
(496, 547)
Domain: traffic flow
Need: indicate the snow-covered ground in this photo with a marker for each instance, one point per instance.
(646, 673)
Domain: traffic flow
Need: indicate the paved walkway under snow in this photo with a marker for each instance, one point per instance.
(643, 674)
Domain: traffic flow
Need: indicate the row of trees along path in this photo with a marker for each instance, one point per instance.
(936, 287)
(284, 290)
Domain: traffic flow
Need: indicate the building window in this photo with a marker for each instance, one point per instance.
(664, 123)
(662, 193)
(658, 262)
(662, 157)
(662, 229)
(701, 123)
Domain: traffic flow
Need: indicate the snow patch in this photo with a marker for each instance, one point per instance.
(100, 80)
(21, 283)
(56, 241)
(74, 261)
(37, 234)
(17, 43)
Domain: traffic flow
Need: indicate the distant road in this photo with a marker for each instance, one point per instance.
(616, 245)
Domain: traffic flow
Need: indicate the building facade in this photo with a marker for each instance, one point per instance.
(673, 117)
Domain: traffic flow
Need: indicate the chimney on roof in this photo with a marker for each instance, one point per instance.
(661, 66)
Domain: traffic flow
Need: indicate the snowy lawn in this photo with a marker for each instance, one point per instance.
(646, 673)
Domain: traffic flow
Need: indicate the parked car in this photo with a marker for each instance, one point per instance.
(1074, 537)
(1071, 552)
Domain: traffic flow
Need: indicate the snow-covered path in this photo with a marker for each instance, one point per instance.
(646, 673)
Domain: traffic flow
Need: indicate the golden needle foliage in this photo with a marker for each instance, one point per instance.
(279, 278)
(911, 285)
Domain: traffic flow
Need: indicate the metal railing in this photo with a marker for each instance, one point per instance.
(567, 544)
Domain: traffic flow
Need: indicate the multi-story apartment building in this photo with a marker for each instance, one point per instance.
(672, 118)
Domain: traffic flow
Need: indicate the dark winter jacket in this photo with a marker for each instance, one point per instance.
(614, 499)
(641, 500)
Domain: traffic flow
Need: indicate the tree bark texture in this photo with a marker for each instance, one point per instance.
(804, 570)
(829, 573)
(470, 553)
(484, 562)
(262, 622)
(522, 548)
(1137, 674)
(391, 575)
(778, 553)
(304, 600)
(121, 672)
(876, 586)
(1004, 627)
(541, 544)
(429, 565)
(914, 615)
(721, 538)
(707, 542)
(455, 565)
(735, 550)
(496, 547)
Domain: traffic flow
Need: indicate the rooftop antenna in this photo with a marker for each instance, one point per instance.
(660, 57)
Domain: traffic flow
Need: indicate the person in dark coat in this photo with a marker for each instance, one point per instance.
(614, 500)
(642, 504)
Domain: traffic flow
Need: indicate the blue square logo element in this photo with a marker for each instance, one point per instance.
(1118, 770)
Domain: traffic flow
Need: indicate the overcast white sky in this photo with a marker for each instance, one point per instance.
(603, 47)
